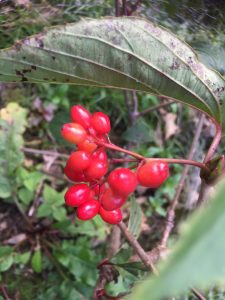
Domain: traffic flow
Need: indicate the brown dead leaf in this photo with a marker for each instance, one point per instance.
(171, 127)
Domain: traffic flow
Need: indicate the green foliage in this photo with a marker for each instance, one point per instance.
(134, 225)
(196, 259)
(36, 261)
(169, 67)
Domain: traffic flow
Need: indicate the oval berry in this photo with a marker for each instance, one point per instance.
(78, 161)
(73, 175)
(111, 201)
(111, 217)
(77, 195)
(99, 155)
(101, 123)
(73, 133)
(88, 145)
(96, 170)
(153, 174)
(81, 115)
(88, 210)
(122, 181)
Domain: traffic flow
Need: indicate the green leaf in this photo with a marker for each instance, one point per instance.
(5, 188)
(25, 195)
(22, 258)
(140, 132)
(59, 214)
(44, 210)
(36, 261)
(32, 180)
(133, 267)
(126, 53)
(52, 197)
(134, 224)
(5, 250)
(197, 259)
(6, 263)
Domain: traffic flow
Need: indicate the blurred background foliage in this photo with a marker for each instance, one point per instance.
(44, 252)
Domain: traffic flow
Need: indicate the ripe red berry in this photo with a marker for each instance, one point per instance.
(79, 161)
(73, 133)
(96, 170)
(101, 123)
(81, 115)
(73, 175)
(111, 201)
(99, 155)
(77, 195)
(122, 181)
(111, 217)
(88, 145)
(88, 210)
(153, 173)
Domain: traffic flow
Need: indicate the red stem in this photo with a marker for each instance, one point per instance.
(214, 144)
(141, 157)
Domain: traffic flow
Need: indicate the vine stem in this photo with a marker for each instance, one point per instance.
(141, 157)
(215, 143)
(137, 248)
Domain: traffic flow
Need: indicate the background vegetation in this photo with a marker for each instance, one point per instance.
(53, 255)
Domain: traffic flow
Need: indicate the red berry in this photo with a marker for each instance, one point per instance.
(79, 161)
(153, 173)
(73, 133)
(81, 115)
(98, 189)
(122, 181)
(77, 195)
(73, 175)
(99, 155)
(96, 170)
(88, 210)
(111, 217)
(111, 201)
(88, 145)
(101, 123)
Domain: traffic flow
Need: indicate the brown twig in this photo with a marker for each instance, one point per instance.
(117, 11)
(137, 248)
(198, 294)
(171, 211)
(4, 292)
(44, 152)
(155, 107)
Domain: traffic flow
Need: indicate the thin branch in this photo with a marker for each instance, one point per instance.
(117, 11)
(124, 8)
(44, 152)
(171, 211)
(198, 294)
(155, 107)
(215, 143)
(137, 248)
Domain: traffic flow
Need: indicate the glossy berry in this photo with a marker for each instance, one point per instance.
(99, 155)
(81, 115)
(77, 195)
(122, 181)
(153, 173)
(79, 161)
(101, 123)
(73, 175)
(111, 201)
(88, 145)
(73, 133)
(111, 217)
(96, 170)
(88, 210)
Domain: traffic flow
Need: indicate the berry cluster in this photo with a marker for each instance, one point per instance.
(88, 166)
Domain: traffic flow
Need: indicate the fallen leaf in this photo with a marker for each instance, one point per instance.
(171, 127)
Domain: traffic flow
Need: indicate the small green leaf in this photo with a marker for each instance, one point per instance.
(25, 195)
(32, 180)
(134, 224)
(36, 261)
(133, 267)
(5, 188)
(5, 250)
(44, 210)
(52, 197)
(6, 263)
(59, 214)
(22, 258)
